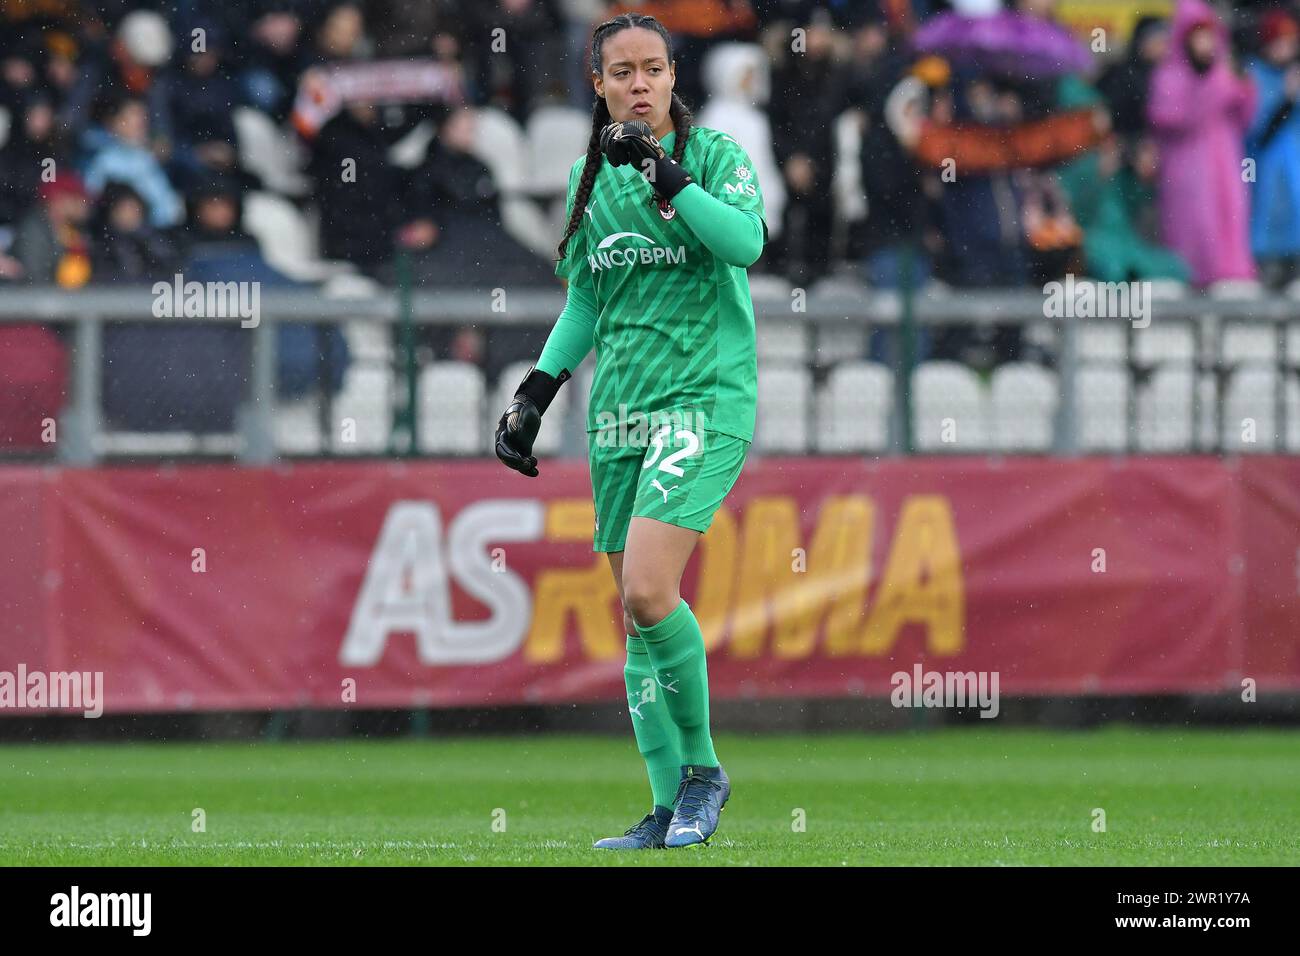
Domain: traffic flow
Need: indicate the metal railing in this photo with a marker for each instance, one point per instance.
(86, 311)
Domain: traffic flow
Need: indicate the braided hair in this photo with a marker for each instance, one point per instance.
(600, 118)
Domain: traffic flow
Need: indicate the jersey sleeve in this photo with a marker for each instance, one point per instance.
(729, 176)
(573, 266)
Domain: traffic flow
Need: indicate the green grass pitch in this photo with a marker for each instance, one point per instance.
(945, 797)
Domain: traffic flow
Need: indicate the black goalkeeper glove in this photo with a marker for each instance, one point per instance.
(518, 427)
(634, 142)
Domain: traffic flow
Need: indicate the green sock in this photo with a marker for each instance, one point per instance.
(657, 736)
(676, 650)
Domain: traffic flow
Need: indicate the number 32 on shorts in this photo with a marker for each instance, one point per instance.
(669, 464)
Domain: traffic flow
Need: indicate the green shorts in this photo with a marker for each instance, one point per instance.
(680, 477)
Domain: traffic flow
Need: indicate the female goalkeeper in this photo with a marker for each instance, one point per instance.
(663, 220)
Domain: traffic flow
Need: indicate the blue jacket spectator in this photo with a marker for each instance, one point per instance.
(1274, 141)
(119, 151)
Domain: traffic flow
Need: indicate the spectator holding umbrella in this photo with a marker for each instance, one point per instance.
(1274, 143)
(1200, 109)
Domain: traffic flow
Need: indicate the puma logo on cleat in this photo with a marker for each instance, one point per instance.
(695, 829)
(662, 490)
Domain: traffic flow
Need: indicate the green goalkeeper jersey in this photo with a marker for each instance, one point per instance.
(674, 330)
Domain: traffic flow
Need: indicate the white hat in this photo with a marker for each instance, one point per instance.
(146, 37)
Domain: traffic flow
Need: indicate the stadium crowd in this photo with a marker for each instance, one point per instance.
(1175, 157)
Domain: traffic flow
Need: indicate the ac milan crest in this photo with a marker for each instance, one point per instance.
(666, 209)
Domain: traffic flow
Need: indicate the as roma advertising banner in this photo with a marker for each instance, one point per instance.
(382, 584)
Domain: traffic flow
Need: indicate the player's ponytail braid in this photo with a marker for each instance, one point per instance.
(600, 118)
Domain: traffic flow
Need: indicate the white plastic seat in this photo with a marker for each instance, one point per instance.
(1101, 407)
(272, 154)
(499, 143)
(1023, 398)
(1164, 410)
(410, 151)
(451, 408)
(1162, 343)
(529, 226)
(1246, 342)
(846, 175)
(943, 394)
(1293, 343)
(366, 400)
(853, 408)
(297, 426)
(781, 343)
(286, 239)
(1252, 394)
(555, 136)
(1102, 342)
(784, 396)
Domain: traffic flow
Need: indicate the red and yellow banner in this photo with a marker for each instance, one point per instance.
(462, 583)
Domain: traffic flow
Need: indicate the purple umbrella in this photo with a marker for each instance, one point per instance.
(1010, 44)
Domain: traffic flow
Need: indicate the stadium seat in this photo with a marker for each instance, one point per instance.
(556, 136)
(784, 397)
(1101, 407)
(367, 400)
(500, 145)
(272, 154)
(1236, 289)
(768, 286)
(846, 176)
(1245, 342)
(287, 240)
(369, 341)
(1252, 395)
(1023, 398)
(1103, 342)
(552, 432)
(410, 151)
(781, 342)
(839, 342)
(451, 408)
(1163, 343)
(853, 408)
(529, 226)
(1164, 410)
(297, 426)
(948, 402)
